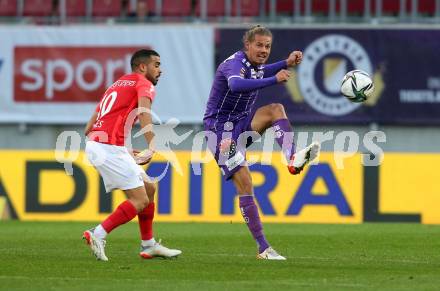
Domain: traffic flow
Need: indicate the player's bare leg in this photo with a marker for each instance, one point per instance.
(149, 247)
(243, 183)
(274, 115)
(137, 200)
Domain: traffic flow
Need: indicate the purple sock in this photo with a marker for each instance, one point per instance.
(250, 214)
(284, 137)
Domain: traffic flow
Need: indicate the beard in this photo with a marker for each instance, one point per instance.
(152, 79)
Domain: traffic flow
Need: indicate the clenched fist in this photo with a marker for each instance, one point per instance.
(294, 58)
(283, 76)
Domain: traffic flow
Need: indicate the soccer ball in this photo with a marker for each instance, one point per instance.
(357, 86)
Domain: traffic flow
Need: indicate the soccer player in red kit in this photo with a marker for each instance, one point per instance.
(125, 101)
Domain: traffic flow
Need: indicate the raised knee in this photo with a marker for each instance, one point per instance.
(140, 203)
(277, 110)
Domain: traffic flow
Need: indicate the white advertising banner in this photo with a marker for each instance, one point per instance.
(58, 74)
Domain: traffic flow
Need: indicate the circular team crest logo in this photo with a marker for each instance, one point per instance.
(325, 62)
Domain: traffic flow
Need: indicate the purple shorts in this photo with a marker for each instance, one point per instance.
(228, 144)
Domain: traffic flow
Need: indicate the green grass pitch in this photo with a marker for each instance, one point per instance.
(52, 256)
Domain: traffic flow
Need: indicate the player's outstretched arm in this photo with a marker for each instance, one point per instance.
(238, 84)
(271, 69)
(294, 59)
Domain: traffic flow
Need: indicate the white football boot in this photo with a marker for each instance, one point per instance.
(158, 250)
(303, 157)
(96, 245)
(270, 254)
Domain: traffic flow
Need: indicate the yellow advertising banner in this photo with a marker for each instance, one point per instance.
(410, 183)
(37, 187)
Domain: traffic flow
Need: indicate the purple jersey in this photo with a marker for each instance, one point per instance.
(225, 104)
(233, 94)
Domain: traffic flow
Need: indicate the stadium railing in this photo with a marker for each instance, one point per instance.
(235, 11)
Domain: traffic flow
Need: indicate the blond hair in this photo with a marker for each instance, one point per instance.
(249, 35)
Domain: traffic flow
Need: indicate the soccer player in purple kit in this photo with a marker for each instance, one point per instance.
(229, 114)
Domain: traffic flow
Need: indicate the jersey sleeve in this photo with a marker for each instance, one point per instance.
(233, 69)
(248, 85)
(271, 69)
(144, 88)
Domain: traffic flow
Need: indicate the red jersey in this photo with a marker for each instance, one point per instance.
(118, 106)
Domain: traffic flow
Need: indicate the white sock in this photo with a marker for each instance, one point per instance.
(148, 243)
(100, 232)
